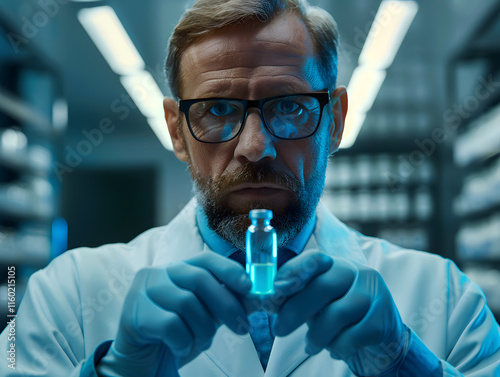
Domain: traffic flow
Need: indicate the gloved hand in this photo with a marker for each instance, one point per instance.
(171, 314)
(348, 309)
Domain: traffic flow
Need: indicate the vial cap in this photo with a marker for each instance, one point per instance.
(261, 214)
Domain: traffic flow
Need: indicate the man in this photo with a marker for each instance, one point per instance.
(259, 116)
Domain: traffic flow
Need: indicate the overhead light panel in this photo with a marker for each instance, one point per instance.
(105, 29)
(388, 30)
(145, 93)
(355, 121)
(363, 88)
(159, 127)
(384, 39)
(109, 35)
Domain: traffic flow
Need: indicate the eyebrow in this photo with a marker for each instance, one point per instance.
(223, 88)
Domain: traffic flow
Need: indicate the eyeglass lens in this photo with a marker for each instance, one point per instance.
(291, 117)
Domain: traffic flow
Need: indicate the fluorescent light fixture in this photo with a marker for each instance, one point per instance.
(363, 88)
(145, 93)
(159, 127)
(109, 35)
(353, 123)
(387, 32)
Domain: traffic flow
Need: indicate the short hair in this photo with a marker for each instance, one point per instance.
(209, 15)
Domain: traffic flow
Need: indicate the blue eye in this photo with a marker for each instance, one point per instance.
(287, 106)
(221, 109)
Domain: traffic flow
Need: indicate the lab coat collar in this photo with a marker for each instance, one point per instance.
(335, 238)
(330, 236)
(180, 239)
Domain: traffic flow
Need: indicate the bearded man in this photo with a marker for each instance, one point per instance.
(255, 113)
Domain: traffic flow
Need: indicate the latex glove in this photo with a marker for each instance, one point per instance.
(348, 309)
(170, 315)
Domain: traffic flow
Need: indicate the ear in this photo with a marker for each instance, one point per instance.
(172, 117)
(338, 105)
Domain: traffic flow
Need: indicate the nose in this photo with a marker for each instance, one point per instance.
(255, 143)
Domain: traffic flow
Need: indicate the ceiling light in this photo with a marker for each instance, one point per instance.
(147, 96)
(159, 127)
(387, 32)
(363, 88)
(353, 123)
(109, 35)
(145, 93)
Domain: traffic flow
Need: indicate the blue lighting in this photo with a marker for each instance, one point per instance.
(59, 237)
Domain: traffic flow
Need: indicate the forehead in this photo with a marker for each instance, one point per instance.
(242, 53)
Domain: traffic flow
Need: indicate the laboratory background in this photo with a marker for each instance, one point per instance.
(85, 156)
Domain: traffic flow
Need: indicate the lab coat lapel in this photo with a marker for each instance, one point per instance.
(234, 354)
(287, 353)
(181, 239)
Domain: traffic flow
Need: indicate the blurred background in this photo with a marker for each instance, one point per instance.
(85, 159)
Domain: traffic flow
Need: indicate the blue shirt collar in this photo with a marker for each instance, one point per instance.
(224, 248)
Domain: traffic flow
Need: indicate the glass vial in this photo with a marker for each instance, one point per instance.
(262, 251)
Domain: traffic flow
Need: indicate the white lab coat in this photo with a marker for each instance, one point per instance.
(74, 304)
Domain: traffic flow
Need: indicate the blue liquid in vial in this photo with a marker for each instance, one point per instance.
(261, 252)
(262, 276)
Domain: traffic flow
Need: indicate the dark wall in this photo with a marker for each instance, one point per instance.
(108, 205)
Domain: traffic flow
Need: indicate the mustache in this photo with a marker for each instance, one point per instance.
(256, 173)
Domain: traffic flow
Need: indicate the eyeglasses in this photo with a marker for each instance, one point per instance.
(288, 117)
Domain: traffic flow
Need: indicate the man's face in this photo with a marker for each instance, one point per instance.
(254, 170)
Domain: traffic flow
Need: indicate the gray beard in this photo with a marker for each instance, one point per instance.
(231, 224)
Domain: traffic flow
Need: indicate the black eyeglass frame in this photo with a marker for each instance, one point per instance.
(323, 97)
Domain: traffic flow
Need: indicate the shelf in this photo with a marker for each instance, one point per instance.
(408, 223)
(480, 262)
(479, 213)
(481, 163)
(375, 187)
(17, 254)
(24, 163)
(481, 140)
(26, 213)
(29, 192)
(15, 108)
(20, 203)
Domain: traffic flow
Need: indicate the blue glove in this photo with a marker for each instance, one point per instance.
(348, 309)
(170, 315)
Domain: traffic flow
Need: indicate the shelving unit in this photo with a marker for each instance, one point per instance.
(29, 142)
(476, 155)
(368, 193)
